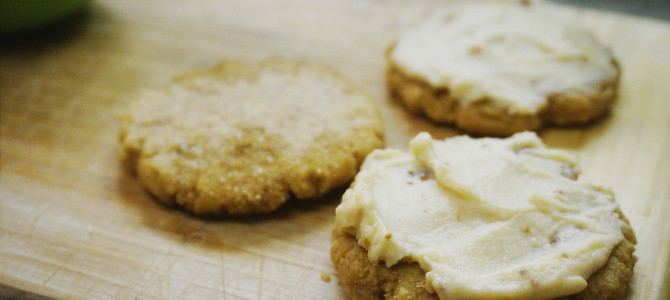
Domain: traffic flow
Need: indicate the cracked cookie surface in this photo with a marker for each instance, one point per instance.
(240, 138)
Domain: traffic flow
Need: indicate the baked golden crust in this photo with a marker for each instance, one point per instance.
(485, 117)
(241, 138)
(363, 279)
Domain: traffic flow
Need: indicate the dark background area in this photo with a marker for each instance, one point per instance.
(659, 9)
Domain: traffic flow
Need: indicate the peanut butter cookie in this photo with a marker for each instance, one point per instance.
(240, 138)
(496, 68)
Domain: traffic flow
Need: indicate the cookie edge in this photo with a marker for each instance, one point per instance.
(363, 279)
(486, 118)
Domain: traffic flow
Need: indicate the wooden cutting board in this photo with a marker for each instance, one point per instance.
(73, 225)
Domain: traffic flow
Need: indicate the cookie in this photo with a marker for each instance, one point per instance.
(480, 219)
(497, 68)
(240, 138)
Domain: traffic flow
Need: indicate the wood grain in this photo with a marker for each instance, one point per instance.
(73, 225)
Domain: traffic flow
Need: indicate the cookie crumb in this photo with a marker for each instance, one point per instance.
(325, 277)
(474, 50)
(388, 236)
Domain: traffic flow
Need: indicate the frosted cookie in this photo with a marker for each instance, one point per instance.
(485, 218)
(496, 68)
(241, 138)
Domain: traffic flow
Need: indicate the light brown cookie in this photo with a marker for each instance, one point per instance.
(365, 280)
(240, 138)
(520, 68)
(486, 218)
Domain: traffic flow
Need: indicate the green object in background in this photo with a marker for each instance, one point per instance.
(20, 15)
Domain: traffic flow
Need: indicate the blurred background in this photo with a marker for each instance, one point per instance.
(25, 15)
(649, 8)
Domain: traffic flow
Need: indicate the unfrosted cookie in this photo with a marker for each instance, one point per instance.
(487, 218)
(241, 138)
(496, 68)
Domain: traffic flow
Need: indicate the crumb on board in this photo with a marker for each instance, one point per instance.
(325, 277)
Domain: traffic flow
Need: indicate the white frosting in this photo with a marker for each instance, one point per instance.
(512, 54)
(485, 218)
